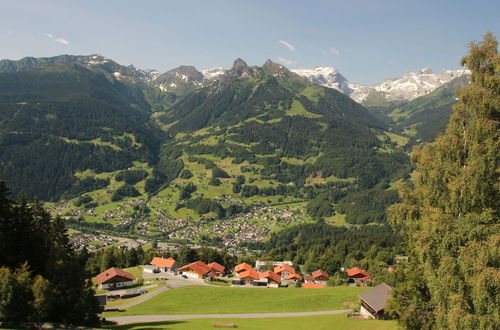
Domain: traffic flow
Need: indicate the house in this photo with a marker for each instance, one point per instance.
(248, 277)
(319, 276)
(113, 278)
(284, 271)
(357, 275)
(242, 267)
(293, 278)
(313, 286)
(272, 279)
(373, 301)
(217, 269)
(197, 269)
(161, 264)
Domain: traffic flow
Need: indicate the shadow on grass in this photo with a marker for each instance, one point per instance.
(146, 325)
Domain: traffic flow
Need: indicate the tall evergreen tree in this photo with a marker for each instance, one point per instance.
(450, 213)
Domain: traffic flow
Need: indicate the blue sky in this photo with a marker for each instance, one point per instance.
(367, 40)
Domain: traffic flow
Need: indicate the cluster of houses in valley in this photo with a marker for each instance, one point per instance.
(91, 241)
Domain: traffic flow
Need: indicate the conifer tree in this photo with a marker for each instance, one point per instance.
(450, 213)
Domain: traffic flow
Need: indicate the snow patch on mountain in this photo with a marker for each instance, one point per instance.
(213, 73)
(405, 88)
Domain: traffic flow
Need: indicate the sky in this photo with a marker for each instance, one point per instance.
(366, 40)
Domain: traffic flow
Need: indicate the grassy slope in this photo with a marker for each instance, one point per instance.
(193, 300)
(321, 322)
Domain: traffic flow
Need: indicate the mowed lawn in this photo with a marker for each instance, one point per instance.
(319, 322)
(227, 300)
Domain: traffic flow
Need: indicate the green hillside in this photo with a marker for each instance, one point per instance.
(255, 151)
(58, 119)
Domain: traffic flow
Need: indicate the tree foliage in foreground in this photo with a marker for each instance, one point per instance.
(450, 214)
(41, 277)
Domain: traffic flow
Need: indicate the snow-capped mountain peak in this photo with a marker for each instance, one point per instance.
(328, 77)
(213, 73)
(405, 88)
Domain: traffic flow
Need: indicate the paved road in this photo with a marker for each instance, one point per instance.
(173, 282)
(161, 318)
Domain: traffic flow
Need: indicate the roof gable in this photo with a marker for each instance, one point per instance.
(113, 272)
(198, 267)
(217, 267)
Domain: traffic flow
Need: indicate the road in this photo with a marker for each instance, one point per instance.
(173, 283)
(162, 318)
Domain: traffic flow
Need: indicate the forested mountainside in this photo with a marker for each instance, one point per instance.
(101, 137)
(59, 119)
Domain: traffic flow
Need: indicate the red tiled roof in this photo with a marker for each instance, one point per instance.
(198, 267)
(249, 273)
(242, 267)
(294, 276)
(271, 275)
(280, 268)
(356, 271)
(309, 278)
(312, 286)
(217, 267)
(319, 273)
(160, 262)
(114, 272)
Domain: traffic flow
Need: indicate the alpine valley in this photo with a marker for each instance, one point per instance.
(219, 157)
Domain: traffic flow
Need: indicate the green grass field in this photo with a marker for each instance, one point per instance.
(222, 300)
(320, 322)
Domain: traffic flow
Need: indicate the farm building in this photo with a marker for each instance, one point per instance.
(114, 278)
(373, 301)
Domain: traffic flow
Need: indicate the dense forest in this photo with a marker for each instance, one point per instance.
(41, 277)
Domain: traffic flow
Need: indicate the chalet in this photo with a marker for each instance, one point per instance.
(373, 301)
(113, 278)
(318, 277)
(293, 278)
(272, 279)
(165, 265)
(197, 269)
(248, 277)
(242, 267)
(284, 271)
(357, 276)
(217, 269)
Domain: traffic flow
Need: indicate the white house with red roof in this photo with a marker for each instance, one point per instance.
(284, 271)
(161, 264)
(217, 269)
(114, 278)
(197, 269)
(272, 279)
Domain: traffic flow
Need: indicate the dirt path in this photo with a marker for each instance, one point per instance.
(161, 318)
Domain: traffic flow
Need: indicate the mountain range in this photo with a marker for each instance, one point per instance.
(100, 136)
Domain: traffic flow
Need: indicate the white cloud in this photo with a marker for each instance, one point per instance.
(62, 41)
(333, 51)
(58, 39)
(287, 45)
(285, 61)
